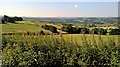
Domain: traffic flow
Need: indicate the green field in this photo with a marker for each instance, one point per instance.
(23, 26)
(89, 37)
(35, 26)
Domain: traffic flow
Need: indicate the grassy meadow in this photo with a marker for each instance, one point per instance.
(23, 26)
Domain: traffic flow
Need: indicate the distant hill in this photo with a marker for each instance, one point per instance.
(94, 20)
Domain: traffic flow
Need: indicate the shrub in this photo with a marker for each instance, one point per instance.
(85, 30)
(114, 31)
(51, 28)
(42, 33)
(70, 29)
(99, 31)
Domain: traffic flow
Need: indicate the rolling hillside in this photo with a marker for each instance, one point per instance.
(22, 26)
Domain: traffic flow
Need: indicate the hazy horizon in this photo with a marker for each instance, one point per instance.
(59, 9)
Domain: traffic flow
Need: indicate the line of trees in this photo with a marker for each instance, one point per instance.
(69, 28)
(7, 19)
(114, 31)
(51, 28)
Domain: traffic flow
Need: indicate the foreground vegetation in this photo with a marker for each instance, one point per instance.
(60, 50)
(27, 43)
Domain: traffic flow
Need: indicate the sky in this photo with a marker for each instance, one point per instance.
(59, 0)
(62, 8)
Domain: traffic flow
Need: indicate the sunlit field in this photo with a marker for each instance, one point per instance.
(22, 26)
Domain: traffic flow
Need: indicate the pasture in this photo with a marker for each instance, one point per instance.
(23, 26)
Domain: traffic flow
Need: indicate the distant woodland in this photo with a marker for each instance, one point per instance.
(7, 19)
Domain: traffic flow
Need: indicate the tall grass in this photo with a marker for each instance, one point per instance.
(58, 50)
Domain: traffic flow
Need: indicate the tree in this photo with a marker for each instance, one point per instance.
(10, 19)
(67, 28)
(114, 31)
(17, 18)
(3, 22)
(70, 29)
(99, 31)
(95, 30)
(102, 31)
(86, 30)
(5, 17)
(51, 28)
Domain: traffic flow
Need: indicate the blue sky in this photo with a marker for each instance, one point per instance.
(59, 9)
(59, 0)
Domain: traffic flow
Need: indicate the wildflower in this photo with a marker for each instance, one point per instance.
(89, 42)
(47, 33)
(100, 39)
(14, 45)
(23, 34)
(35, 59)
(61, 34)
(93, 40)
(83, 38)
(36, 33)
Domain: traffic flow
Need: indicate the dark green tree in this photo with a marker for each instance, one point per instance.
(102, 31)
(51, 28)
(3, 22)
(5, 17)
(8, 19)
(114, 31)
(85, 30)
(17, 18)
(42, 33)
(95, 30)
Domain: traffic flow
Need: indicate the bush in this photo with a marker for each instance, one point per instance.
(42, 33)
(114, 31)
(7, 19)
(51, 28)
(70, 29)
(99, 31)
(85, 30)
